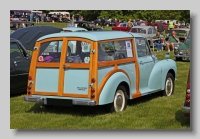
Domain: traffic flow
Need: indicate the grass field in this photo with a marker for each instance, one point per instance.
(149, 112)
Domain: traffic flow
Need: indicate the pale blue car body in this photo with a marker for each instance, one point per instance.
(152, 74)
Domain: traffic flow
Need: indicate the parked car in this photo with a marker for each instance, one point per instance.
(186, 105)
(182, 50)
(19, 17)
(87, 25)
(98, 21)
(146, 31)
(22, 43)
(105, 68)
(16, 24)
(73, 29)
(121, 27)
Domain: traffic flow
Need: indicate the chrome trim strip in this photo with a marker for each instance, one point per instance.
(185, 109)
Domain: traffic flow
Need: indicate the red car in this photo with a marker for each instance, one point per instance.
(166, 25)
(121, 27)
(186, 106)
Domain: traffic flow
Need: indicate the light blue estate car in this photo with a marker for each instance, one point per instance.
(105, 68)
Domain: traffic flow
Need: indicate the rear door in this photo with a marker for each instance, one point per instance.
(62, 67)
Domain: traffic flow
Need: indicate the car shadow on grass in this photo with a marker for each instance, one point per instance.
(85, 110)
(184, 121)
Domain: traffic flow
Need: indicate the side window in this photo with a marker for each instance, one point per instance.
(106, 51)
(78, 52)
(50, 51)
(109, 51)
(15, 52)
(142, 47)
(154, 30)
(149, 31)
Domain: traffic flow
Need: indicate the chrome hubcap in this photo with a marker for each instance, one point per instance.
(169, 87)
(119, 101)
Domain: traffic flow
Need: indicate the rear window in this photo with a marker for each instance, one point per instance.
(77, 51)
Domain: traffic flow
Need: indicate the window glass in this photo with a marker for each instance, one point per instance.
(149, 31)
(109, 51)
(142, 47)
(50, 51)
(78, 52)
(15, 52)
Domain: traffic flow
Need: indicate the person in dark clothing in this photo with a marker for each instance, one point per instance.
(102, 22)
(160, 27)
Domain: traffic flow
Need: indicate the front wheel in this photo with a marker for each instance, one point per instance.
(120, 100)
(169, 85)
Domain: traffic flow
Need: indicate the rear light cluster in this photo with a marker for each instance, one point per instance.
(29, 86)
(187, 101)
(92, 89)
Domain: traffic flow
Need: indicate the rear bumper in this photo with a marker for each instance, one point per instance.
(59, 102)
(185, 109)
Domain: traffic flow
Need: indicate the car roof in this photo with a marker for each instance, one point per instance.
(145, 27)
(187, 29)
(74, 28)
(93, 35)
(28, 36)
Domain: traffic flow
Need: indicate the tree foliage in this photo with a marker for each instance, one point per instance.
(148, 15)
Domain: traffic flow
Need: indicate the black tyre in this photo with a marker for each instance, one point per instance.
(169, 85)
(178, 59)
(120, 100)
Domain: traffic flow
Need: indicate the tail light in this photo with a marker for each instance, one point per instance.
(29, 77)
(92, 89)
(187, 99)
(29, 86)
(93, 80)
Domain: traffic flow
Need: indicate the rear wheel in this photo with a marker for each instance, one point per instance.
(178, 58)
(120, 100)
(169, 85)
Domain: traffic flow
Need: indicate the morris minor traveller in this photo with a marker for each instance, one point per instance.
(104, 68)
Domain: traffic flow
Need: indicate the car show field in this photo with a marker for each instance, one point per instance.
(149, 112)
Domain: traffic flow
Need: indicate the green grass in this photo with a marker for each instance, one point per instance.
(148, 112)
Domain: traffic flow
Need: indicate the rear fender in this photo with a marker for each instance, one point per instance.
(109, 89)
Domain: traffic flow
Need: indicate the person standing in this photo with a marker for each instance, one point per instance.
(160, 27)
(31, 18)
(102, 23)
(37, 18)
(73, 19)
(130, 25)
(171, 24)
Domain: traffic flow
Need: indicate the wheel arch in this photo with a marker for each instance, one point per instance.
(107, 93)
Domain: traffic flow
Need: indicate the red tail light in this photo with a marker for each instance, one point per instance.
(188, 102)
(29, 77)
(93, 80)
(92, 90)
(188, 96)
(188, 86)
(92, 95)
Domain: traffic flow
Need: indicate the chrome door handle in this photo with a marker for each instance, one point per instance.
(141, 62)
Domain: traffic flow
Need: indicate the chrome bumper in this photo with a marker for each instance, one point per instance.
(73, 101)
(33, 99)
(185, 109)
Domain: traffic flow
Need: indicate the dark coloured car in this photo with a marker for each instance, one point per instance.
(98, 21)
(182, 51)
(87, 25)
(186, 105)
(22, 43)
(16, 24)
